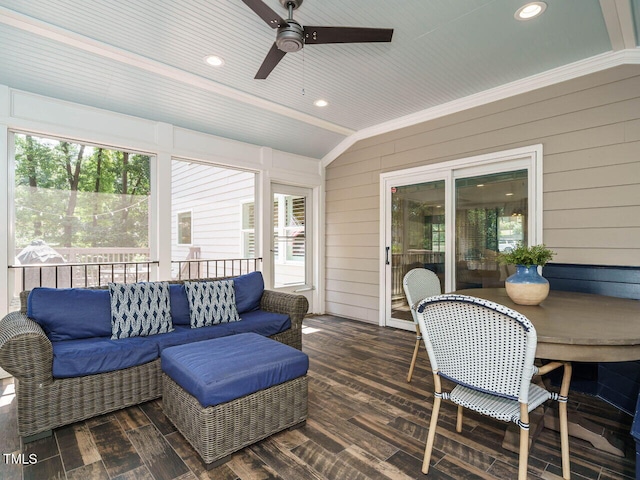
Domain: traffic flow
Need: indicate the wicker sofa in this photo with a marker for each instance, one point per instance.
(46, 401)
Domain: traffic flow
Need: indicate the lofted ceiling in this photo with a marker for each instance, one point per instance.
(145, 58)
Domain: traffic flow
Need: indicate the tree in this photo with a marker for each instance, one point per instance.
(77, 195)
(73, 167)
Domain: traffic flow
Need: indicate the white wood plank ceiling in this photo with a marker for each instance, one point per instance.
(145, 58)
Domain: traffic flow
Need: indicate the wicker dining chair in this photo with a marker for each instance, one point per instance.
(418, 283)
(487, 350)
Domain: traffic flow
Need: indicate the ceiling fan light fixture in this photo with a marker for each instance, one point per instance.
(321, 103)
(290, 37)
(530, 11)
(214, 60)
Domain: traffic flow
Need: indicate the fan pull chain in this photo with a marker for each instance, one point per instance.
(303, 72)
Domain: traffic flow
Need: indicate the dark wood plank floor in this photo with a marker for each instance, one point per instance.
(365, 422)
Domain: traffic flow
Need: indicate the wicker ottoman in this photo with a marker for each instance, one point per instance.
(227, 393)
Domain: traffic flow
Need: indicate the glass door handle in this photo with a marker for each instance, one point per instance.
(387, 255)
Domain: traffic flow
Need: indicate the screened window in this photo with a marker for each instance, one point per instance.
(78, 203)
(185, 228)
(248, 230)
(289, 228)
(222, 200)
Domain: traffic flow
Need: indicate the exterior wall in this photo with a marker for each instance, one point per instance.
(214, 196)
(590, 131)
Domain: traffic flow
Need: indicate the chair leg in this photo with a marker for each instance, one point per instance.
(459, 419)
(432, 425)
(415, 353)
(524, 443)
(564, 424)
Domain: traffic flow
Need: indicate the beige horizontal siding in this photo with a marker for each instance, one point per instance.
(604, 218)
(590, 131)
(615, 154)
(594, 177)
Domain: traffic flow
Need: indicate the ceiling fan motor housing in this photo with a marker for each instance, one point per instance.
(290, 37)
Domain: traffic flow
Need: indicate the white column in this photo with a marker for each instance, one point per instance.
(160, 239)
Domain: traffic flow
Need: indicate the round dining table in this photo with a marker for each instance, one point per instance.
(579, 327)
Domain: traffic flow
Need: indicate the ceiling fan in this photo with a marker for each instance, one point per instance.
(292, 36)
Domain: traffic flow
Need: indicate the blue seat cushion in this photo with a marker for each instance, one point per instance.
(71, 313)
(249, 290)
(223, 369)
(258, 321)
(87, 356)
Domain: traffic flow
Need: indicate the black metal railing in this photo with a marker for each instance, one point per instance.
(213, 268)
(73, 275)
(67, 275)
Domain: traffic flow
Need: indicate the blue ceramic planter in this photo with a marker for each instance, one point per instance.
(527, 286)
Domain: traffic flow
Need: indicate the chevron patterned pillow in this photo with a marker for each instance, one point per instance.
(140, 309)
(211, 303)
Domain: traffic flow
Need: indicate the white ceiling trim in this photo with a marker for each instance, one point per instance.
(619, 21)
(52, 32)
(545, 79)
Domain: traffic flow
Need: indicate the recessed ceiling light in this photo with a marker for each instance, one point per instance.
(530, 10)
(214, 60)
(321, 103)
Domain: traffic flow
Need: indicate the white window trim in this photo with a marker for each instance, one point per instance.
(190, 212)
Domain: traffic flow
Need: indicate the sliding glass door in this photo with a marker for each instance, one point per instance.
(491, 213)
(417, 237)
(455, 219)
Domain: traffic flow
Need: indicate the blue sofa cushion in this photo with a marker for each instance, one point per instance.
(70, 313)
(258, 321)
(179, 305)
(249, 290)
(263, 323)
(88, 356)
(223, 369)
(140, 309)
(211, 303)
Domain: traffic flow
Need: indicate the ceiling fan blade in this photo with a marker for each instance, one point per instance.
(270, 61)
(265, 13)
(318, 35)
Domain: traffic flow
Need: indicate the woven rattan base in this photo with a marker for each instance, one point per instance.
(218, 431)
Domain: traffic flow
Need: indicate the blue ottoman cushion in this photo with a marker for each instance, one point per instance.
(224, 369)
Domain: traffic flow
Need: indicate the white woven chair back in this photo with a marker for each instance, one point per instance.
(420, 283)
(479, 344)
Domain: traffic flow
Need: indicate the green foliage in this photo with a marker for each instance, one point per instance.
(527, 256)
(75, 195)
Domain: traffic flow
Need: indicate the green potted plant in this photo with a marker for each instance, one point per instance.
(527, 286)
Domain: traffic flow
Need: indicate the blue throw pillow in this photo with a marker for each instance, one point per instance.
(179, 304)
(211, 303)
(140, 309)
(70, 313)
(249, 290)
